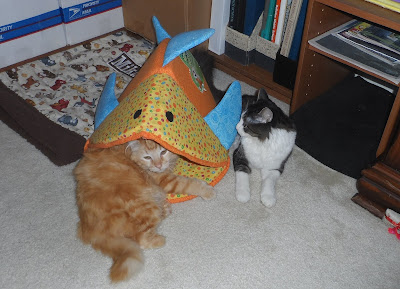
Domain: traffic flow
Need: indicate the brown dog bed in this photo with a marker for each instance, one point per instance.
(51, 101)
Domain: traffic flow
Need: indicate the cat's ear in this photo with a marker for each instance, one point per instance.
(262, 94)
(265, 115)
(134, 145)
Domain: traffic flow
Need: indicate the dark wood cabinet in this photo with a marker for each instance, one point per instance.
(379, 186)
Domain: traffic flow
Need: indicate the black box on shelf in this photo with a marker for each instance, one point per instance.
(285, 71)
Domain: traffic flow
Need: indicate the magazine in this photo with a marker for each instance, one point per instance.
(360, 57)
(376, 35)
(384, 43)
(374, 50)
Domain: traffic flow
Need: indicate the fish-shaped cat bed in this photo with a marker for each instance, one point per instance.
(169, 101)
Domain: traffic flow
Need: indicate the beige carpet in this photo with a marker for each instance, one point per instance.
(315, 237)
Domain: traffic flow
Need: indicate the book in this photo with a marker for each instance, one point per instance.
(298, 33)
(389, 4)
(275, 21)
(290, 27)
(265, 14)
(253, 10)
(241, 14)
(232, 14)
(281, 22)
(329, 43)
(287, 12)
(236, 16)
(266, 32)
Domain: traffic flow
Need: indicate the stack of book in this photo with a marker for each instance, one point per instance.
(282, 21)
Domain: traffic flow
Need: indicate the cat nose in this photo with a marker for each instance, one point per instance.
(158, 165)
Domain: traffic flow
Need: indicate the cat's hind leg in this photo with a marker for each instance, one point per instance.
(269, 178)
(242, 171)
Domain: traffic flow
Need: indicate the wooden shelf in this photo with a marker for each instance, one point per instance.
(318, 72)
(254, 76)
(366, 10)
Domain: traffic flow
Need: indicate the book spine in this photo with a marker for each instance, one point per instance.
(240, 15)
(298, 33)
(232, 14)
(290, 27)
(264, 19)
(287, 12)
(266, 33)
(281, 22)
(254, 8)
(275, 22)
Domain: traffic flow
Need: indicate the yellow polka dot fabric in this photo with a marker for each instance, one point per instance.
(158, 109)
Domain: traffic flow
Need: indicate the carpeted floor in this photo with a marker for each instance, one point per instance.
(315, 237)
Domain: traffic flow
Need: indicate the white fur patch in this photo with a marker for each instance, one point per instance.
(269, 154)
(133, 266)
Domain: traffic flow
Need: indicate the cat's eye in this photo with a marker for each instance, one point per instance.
(147, 158)
(163, 152)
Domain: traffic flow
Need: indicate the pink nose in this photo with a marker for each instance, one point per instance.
(158, 165)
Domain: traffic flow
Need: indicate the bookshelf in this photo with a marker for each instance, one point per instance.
(252, 75)
(253, 61)
(379, 186)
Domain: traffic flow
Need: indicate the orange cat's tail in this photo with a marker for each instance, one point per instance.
(127, 256)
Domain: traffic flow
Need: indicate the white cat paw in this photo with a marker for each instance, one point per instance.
(268, 201)
(243, 196)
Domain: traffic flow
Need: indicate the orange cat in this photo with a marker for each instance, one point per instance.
(121, 198)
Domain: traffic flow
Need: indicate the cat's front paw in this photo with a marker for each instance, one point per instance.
(242, 191)
(203, 190)
(208, 192)
(268, 201)
(242, 187)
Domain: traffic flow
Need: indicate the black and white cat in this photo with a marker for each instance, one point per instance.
(266, 139)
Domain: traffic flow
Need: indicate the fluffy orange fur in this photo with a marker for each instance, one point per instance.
(121, 199)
